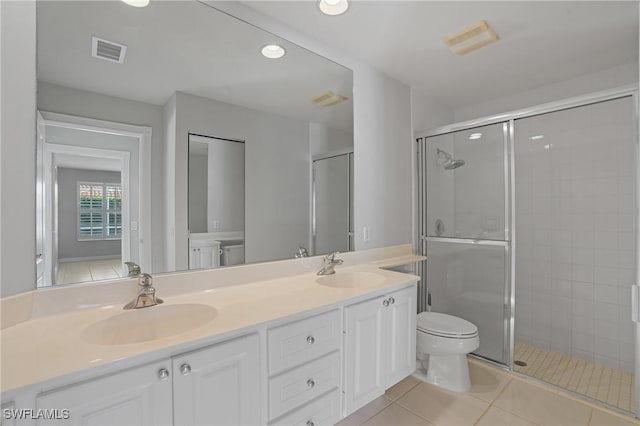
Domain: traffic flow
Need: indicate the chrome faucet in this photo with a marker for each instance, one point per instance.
(146, 294)
(134, 269)
(302, 252)
(329, 262)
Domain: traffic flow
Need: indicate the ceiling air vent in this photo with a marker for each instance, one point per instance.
(107, 50)
(328, 99)
(471, 38)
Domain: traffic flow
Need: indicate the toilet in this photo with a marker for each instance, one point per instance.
(443, 342)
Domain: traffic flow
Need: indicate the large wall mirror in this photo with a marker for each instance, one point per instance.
(167, 139)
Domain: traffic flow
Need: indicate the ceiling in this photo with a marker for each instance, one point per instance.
(541, 42)
(189, 47)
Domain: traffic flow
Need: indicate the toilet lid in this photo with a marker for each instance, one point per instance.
(445, 325)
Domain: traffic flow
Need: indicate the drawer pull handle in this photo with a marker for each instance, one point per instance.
(311, 340)
(385, 302)
(392, 300)
(163, 374)
(310, 423)
(311, 383)
(185, 369)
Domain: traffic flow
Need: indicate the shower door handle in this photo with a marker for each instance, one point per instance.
(635, 300)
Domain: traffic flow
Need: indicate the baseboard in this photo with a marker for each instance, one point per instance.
(88, 258)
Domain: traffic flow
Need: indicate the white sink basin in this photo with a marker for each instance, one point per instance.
(350, 279)
(145, 324)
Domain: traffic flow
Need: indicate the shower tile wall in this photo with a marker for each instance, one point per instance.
(575, 232)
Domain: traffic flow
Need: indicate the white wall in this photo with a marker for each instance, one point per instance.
(65, 100)
(17, 146)
(68, 245)
(277, 163)
(613, 77)
(427, 114)
(323, 139)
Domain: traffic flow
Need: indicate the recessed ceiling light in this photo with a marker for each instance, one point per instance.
(273, 51)
(474, 136)
(536, 137)
(333, 7)
(137, 3)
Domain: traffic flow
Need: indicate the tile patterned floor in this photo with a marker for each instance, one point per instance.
(597, 381)
(91, 270)
(496, 398)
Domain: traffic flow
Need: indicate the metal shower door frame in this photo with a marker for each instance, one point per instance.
(424, 297)
(510, 118)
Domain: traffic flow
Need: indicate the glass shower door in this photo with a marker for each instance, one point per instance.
(464, 216)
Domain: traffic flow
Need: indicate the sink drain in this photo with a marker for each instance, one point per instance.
(520, 363)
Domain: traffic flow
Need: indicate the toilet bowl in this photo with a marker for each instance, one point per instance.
(443, 342)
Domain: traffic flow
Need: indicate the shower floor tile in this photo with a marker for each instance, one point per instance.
(597, 381)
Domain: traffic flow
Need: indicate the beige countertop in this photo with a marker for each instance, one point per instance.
(48, 347)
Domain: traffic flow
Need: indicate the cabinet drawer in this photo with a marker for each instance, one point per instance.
(300, 385)
(296, 343)
(322, 411)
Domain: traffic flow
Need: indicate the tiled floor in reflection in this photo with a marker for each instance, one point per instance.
(597, 381)
(90, 270)
(496, 398)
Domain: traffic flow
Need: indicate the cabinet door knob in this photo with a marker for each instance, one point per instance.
(311, 340)
(392, 300)
(185, 369)
(385, 302)
(311, 383)
(310, 423)
(163, 374)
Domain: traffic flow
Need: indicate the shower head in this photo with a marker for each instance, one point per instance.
(447, 161)
(454, 164)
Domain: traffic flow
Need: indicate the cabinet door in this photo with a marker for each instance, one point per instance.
(219, 385)
(209, 256)
(400, 349)
(194, 258)
(140, 396)
(364, 344)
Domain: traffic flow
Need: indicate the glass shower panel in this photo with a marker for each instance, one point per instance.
(468, 281)
(575, 205)
(465, 185)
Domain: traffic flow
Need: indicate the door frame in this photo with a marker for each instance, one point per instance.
(50, 183)
(143, 135)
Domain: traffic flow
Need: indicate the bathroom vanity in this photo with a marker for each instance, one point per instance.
(296, 349)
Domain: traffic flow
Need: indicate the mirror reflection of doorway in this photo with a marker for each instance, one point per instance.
(216, 202)
(332, 221)
(89, 200)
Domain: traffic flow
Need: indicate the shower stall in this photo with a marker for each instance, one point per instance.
(529, 224)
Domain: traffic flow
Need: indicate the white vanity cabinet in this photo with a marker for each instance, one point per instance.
(218, 385)
(311, 368)
(380, 344)
(204, 254)
(304, 360)
(139, 396)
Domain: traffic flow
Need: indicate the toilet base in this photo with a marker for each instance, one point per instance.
(450, 372)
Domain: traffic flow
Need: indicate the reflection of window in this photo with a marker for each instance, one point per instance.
(99, 211)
